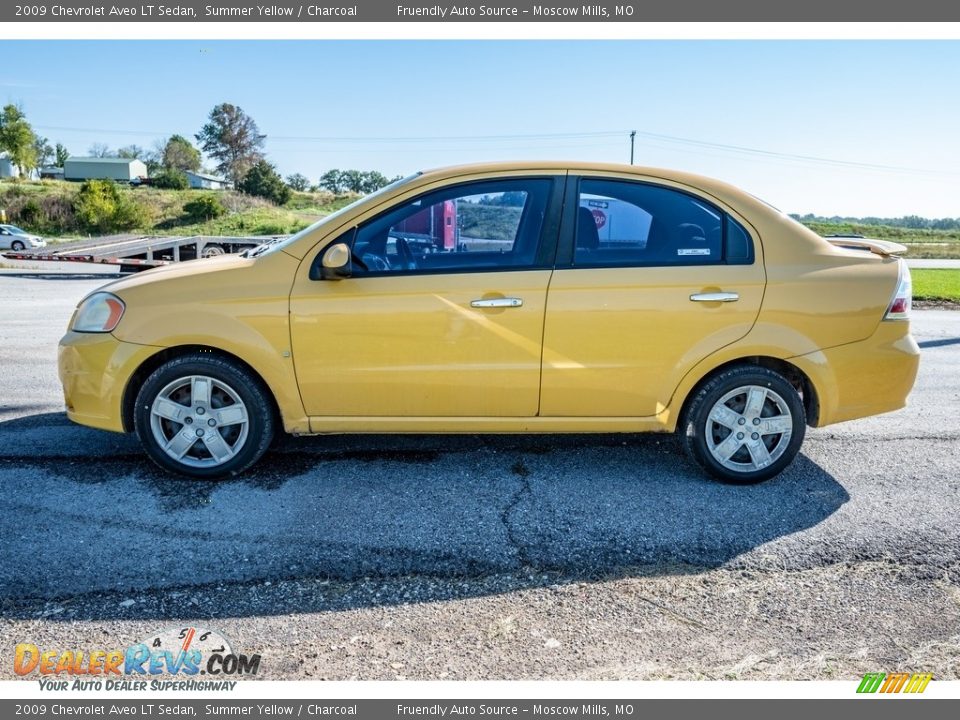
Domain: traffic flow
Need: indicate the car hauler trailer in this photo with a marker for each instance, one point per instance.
(133, 254)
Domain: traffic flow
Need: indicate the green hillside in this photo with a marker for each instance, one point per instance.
(50, 208)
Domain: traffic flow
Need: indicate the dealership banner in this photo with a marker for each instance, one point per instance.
(445, 709)
(191, 11)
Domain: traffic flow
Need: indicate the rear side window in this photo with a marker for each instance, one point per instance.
(622, 223)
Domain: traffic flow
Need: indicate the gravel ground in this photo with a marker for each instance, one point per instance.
(588, 557)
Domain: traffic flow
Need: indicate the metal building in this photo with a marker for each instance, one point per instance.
(206, 182)
(102, 168)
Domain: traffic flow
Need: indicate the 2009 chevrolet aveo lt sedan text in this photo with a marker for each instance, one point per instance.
(506, 298)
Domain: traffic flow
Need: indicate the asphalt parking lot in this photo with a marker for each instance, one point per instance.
(483, 557)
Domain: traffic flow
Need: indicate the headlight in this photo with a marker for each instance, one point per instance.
(98, 313)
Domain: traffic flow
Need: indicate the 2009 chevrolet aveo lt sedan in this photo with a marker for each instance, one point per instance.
(507, 298)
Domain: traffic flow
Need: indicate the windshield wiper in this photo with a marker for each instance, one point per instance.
(259, 249)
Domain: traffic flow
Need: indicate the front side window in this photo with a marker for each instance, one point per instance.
(621, 223)
(480, 226)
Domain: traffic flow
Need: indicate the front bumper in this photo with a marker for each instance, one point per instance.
(95, 369)
(864, 378)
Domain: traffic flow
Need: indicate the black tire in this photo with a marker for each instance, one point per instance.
(226, 376)
(693, 429)
(17, 246)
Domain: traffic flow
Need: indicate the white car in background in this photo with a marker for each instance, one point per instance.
(13, 238)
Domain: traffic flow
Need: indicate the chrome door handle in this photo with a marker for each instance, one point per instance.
(715, 297)
(497, 303)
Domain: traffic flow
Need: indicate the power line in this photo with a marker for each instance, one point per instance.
(741, 149)
(788, 158)
(361, 139)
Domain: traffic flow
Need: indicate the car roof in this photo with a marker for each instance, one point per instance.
(712, 186)
(555, 165)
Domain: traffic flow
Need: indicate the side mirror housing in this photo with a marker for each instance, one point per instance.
(335, 264)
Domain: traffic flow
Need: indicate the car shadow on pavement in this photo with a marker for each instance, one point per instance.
(88, 524)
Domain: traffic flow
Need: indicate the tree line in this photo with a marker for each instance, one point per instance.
(908, 222)
(230, 138)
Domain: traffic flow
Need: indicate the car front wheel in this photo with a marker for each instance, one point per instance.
(204, 416)
(745, 425)
(17, 245)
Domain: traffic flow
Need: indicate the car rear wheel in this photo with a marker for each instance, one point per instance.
(17, 245)
(204, 416)
(745, 425)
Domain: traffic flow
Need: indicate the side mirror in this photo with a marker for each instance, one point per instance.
(335, 264)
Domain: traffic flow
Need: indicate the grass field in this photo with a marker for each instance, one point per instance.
(942, 244)
(936, 284)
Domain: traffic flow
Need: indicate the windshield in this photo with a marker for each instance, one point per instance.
(280, 243)
(14, 229)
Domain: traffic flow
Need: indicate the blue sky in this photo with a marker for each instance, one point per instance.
(399, 106)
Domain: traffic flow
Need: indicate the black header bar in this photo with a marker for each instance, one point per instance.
(79, 11)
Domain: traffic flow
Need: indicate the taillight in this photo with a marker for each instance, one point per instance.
(899, 308)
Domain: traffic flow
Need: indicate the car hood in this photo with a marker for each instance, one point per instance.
(203, 268)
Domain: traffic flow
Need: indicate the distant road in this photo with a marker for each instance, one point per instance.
(951, 264)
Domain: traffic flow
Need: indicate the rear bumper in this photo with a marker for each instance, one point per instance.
(864, 378)
(94, 370)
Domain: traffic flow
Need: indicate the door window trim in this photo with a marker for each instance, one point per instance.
(568, 230)
(546, 243)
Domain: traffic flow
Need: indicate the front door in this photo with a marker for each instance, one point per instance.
(443, 313)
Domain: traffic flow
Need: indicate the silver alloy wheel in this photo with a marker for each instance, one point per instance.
(749, 428)
(199, 421)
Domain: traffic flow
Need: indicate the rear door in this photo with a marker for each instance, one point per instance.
(651, 278)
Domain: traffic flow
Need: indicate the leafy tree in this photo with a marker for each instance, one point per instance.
(352, 180)
(332, 181)
(150, 158)
(62, 155)
(298, 182)
(101, 207)
(101, 150)
(512, 198)
(355, 181)
(18, 138)
(132, 152)
(233, 139)
(180, 154)
(44, 150)
(205, 207)
(373, 181)
(169, 179)
(263, 181)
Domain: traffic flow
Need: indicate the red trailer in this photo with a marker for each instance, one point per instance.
(437, 223)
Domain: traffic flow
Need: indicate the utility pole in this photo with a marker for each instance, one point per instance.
(633, 134)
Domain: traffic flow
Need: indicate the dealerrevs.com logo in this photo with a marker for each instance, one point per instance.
(185, 654)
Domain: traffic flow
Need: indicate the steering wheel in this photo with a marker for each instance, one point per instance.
(407, 259)
(374, 263)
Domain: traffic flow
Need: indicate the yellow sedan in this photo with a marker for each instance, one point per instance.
(506, 298)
